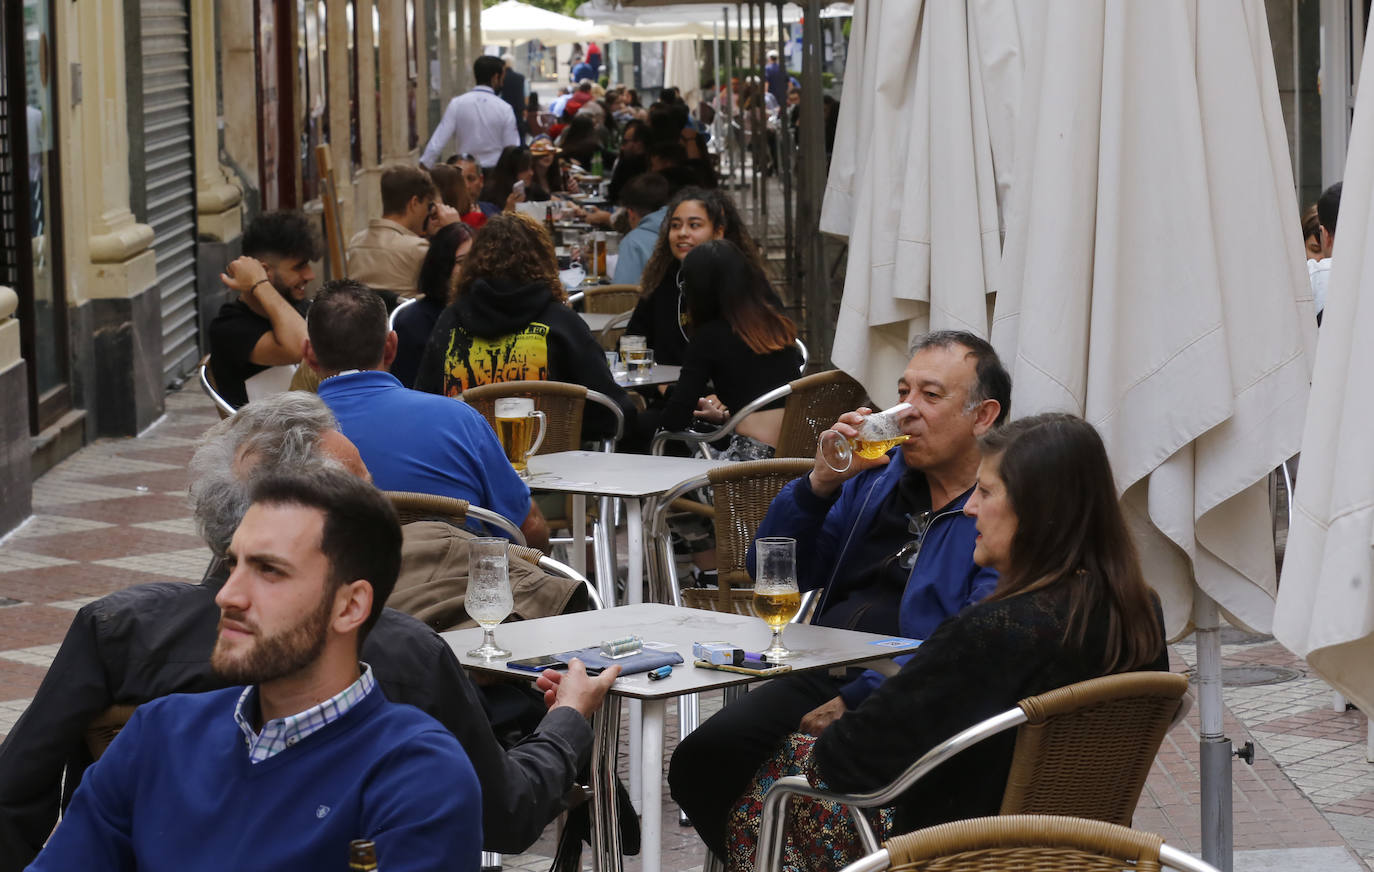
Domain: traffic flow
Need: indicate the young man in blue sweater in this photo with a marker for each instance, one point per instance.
(285, 772)
(889, 546)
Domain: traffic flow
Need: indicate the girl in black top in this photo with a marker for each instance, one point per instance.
(438, 274)
(695, 215)
(740, 344)
(514, 165)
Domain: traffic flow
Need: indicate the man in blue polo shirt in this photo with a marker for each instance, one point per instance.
(410, 441)
(308, 755)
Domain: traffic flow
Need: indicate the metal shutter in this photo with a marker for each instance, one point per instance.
(169, 176)
(9, 252)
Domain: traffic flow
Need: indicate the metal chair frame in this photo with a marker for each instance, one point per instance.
(207, 384)
(391, 319)
(774, 814)
(458, 511)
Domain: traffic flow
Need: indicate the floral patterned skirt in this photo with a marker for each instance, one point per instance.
(819, 836)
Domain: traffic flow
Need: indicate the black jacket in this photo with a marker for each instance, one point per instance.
(976, 664)
(498, 331)
(660, 317)
(151, 640)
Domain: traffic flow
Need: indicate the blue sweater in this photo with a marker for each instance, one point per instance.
(175, 791)
(943, 580)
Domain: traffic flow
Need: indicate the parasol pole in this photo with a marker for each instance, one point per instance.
(1215, 748)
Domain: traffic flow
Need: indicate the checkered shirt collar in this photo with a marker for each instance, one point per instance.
(281, 733)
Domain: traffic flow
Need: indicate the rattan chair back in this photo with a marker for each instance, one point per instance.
(1035, 843)
(815, 403)
(610, 299)
(1086, 749)
(428, 507)
(102, 731)
(743, 493)
(561, 403)
(207, 384)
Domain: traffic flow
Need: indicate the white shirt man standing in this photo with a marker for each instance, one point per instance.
(478, 122)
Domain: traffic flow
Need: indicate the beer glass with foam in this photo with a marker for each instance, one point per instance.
(489, 600)
(878, 433)
(776, 597)
(515, 428)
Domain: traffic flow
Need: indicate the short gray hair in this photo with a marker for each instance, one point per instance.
(991, 379)
(280, 433)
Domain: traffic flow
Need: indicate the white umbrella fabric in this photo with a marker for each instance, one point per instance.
(681, 70)
(1153, 280)
(512, 21)
(925, 131)
(1325, 608)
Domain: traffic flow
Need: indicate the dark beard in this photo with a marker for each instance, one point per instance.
(279, 655)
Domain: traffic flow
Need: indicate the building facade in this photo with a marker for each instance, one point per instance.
(136, 138)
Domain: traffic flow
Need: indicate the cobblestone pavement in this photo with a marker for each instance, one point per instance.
(115, 514)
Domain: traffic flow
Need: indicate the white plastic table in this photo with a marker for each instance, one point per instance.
(676, 628)
(661, 374)
(632, 477)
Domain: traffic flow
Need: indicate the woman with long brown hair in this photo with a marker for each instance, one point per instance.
(694, 216)
(740, 347)
(1071, 604)
(509, 322)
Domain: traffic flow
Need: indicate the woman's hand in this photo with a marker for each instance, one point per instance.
(822, 716)
(515, 197)
(710, 408)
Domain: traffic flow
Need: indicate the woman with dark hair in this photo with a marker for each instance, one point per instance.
(581, 141)
(548, 177)
(1071, 604)
(454, 192)
(509, 322)
(694, 216)
(740, 345)
(441, 268)
(514, 165)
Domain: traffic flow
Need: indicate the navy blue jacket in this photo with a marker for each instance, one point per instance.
(943, 580)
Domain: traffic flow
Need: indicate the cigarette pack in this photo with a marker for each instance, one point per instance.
(719, 653)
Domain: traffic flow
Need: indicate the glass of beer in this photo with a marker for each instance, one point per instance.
(489, 600)
(515, 417)
(776, 597)
(878, 433)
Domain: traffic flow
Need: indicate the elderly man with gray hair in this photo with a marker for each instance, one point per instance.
(151, 640)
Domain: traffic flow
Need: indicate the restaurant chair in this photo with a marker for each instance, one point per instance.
(562, 404)
(992, 844)
(813, 403)
(743, 491)
(609, 337)
(805, 354)
(610, 299)
(1082, 750)
(391, 319)
(433, 507)
(207, 384)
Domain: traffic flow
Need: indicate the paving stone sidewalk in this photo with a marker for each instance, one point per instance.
(115, 515)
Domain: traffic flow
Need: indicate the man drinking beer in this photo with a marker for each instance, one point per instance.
(889, 546)
(410, 441)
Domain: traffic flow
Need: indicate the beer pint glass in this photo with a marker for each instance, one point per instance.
(515, 419)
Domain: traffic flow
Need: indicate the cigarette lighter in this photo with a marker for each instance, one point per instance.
(660, 672)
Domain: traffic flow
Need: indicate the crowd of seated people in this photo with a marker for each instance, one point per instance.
(282, 695)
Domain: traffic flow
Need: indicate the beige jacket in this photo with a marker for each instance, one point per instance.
(434, 580)
(387, 256)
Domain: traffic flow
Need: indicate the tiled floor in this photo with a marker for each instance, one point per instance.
(115, 515)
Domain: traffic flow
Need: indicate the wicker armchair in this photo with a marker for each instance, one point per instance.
(813, 403)
(610, 299)
(609, 337)
(432, 507)
(1032, 842)
(1082, 750)
(561, 402)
